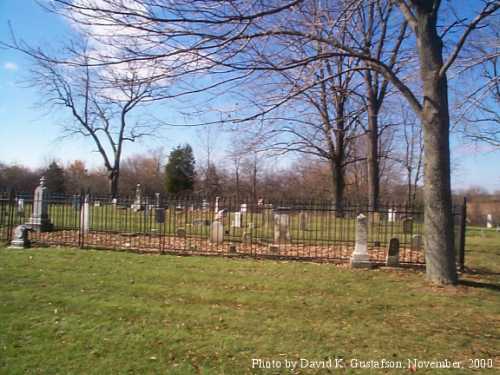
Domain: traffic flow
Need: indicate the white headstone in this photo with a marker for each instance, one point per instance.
(236, 222)
(489, 221)
(391, 215)
(243, 208)
(216, 209)
(216, 232)
(20, 205)
(360, 257)
(85, 216)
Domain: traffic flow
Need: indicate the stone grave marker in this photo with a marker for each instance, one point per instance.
(489, 221)
(20, 240)
(416, 242)
(157, 200)
(20, 206)
(303, 218)
(281, 226)
(393, 253)
(236, 221)
(137, 205)
(360, 257)
(159, 215)
(408, 225)
(243, 208)
(216, 232)
(85, 215)
(391, 215)
(40, 221)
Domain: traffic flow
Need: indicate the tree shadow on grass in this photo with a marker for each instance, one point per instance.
(480, 284)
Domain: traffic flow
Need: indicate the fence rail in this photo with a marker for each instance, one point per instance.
(313, 230)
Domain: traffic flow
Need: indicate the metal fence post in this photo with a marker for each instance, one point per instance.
(461, 249)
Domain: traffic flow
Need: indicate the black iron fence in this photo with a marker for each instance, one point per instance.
(312, 230)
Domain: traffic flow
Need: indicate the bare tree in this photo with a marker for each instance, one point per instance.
(412, 157)
(99, 102)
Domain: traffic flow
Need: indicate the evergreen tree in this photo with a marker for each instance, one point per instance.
(179, 171)
(55, 178)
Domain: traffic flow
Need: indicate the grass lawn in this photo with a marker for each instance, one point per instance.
(70, 311)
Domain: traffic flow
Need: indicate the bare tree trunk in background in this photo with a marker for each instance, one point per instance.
(373, 157)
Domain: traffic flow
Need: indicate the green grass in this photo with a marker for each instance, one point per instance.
(70, 311)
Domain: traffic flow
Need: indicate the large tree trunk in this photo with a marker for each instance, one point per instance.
(440, 256)
(338, 187)
(114, 177)
(373, 159)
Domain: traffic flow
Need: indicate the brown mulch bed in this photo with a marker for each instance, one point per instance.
(154, 243)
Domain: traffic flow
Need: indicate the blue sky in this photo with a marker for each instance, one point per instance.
(30, 136)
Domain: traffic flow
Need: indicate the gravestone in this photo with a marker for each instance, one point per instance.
(137, 205)
(114, 202)
(40, 221)
(393, 253)
(236, 222)
(216, 206)
(416, 242)
(216, 232)
(281, 227)
(97, 204)
(157, 200)
(20, 206)
(159, 215)
(246, 237)
(303, 221)
(243, 208)
(391, 215)
(360, 257)
(232, 248)
(219, 216)
(408, 225)
(20, 240)
(204, 204)
(489, 221)
(85, 215)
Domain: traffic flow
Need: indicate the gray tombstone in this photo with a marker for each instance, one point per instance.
(393, 253)
(416, 242)
(281, 227)
(408, 225)
(160, 215)
(303, 221)
(137, 205)
(360, 257)
(216, 232)
(20, 240)
(40, 221)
